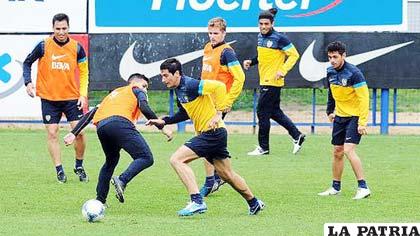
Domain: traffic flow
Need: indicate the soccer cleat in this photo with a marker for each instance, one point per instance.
(257, 208)
(258, 151)
(329, 192)
(219, 182)
(297, 144)
(193, 208)
(362, 193)
(119, 188)
(79, 171)
(61, 177)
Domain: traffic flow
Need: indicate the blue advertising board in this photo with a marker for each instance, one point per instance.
(242, 15)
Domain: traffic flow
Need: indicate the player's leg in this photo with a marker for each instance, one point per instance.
(135, 145)
(224, 168)
(73, 115)
(179, 161)
(351, 142)
(112, 156)
(51, 115)
(283, 120)
(264, 114)
(338, 138)
(212, 182)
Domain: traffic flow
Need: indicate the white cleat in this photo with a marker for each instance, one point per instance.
(362, 193)
(329, 192)
(258, 152)
(297, 144)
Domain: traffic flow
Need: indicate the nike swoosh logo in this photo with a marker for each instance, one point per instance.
(54, 57)
(313, 70)
(206, 58)
(129, 65)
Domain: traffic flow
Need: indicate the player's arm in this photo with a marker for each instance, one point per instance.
(180, 116)
(83, 122)
(144, 105)
(362, 93)
(229, 58)
(214, 88)
(36, 53)
(330, 105)
(82, 63)
(292, 55)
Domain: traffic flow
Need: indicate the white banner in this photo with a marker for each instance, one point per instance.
(31, 16)
(370, 229)
(14, 102)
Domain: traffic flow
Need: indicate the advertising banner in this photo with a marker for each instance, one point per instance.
(388, 60)
(130, 16)
(35, 16)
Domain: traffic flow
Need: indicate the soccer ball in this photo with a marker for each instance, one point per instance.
(93, 210)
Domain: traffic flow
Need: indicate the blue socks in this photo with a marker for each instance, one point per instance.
(252, 202)
(210, 181)
(197, 198)
(59, 168)
(79, 163)
(362, 183)
(336, 185)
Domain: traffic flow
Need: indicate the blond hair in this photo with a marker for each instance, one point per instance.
(218, 22)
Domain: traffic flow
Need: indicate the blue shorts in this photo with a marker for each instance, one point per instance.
(53, 110)
(211, 145)
(345, 130)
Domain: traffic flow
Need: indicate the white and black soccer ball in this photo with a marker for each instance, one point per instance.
(93, 210)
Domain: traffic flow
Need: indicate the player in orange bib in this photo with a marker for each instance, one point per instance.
(220, 63)
(115, 120)
(58, 58)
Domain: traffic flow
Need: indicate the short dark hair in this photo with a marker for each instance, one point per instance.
(61, 17)
(336, 46)
(268, 14)
(172, 65)
(137, 76)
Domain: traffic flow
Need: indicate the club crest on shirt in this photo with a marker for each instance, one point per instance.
(344, 81)
(269, 43)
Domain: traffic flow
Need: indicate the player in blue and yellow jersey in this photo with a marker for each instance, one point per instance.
(202, 102)
(58, 58)
(220, 63)
(348, 108)
(115, 118)
(276, 56)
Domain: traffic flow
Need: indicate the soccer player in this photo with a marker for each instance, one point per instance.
(197, 104)
(58, 89)
(115, 119)
(276, 56)
(220, 63)
(348, 108)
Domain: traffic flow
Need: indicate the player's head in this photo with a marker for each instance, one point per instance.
(216, 30)
(139, 79)
(61, 27)
(266, 20)
(336, 54)
(171, 72)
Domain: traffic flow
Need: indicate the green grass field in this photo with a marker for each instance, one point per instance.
(33, 203)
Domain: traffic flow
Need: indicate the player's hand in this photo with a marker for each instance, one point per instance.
(168, 133)
(81, 102)
(155, 122)
(279, 75)
(362, 129)
(214, 122)
(247, 64)
(30, 90)
(69, 139)
(331, 117)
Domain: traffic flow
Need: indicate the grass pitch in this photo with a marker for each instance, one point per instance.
(33, 203)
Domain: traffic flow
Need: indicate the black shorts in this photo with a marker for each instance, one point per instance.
(211, 145)
(53, 110)
(345, 130)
